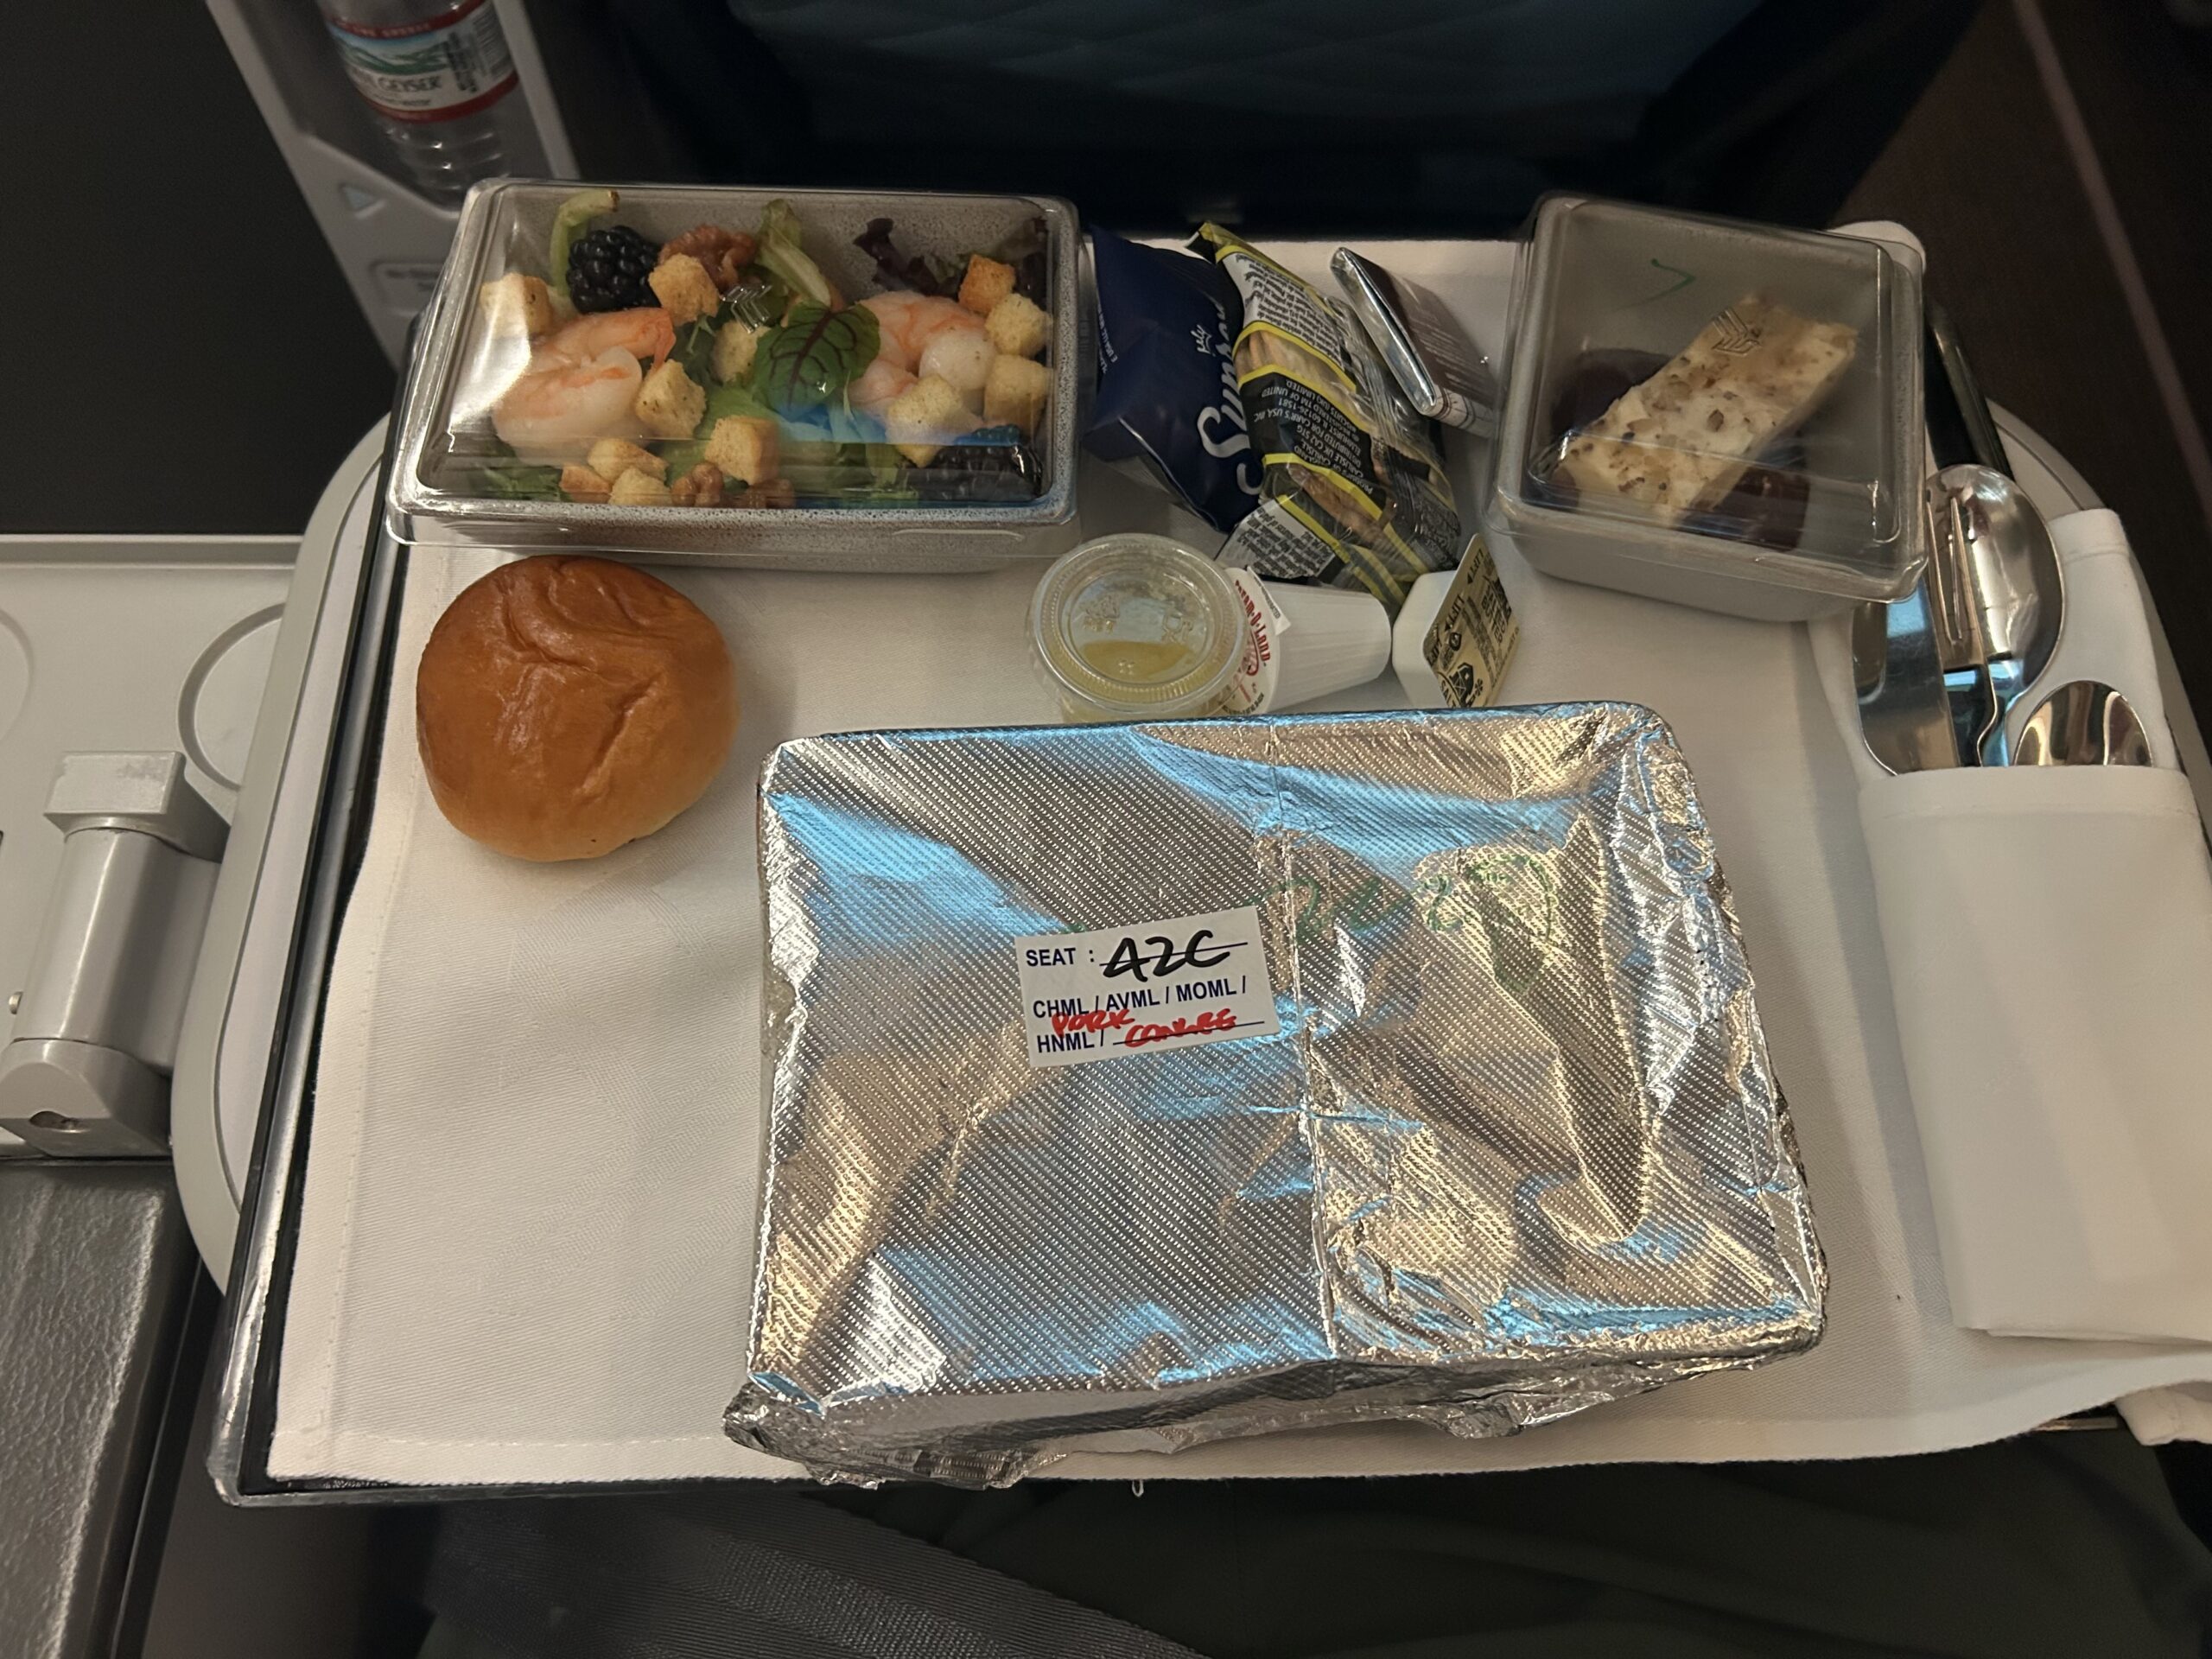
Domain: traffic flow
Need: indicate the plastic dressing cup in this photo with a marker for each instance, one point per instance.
(1136, 627)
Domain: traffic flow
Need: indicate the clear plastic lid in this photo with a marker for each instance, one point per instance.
(1136, 627)
(1725, 395)
(617, 366)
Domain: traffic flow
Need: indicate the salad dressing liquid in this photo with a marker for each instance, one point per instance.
(1141, 661)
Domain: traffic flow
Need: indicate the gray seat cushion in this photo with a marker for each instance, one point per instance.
(1024, 73)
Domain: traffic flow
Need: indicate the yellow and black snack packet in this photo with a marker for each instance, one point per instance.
(1352, 489)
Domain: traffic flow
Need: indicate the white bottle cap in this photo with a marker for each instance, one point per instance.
(1409, 652)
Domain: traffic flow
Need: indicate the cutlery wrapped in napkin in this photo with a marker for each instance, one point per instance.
(2048, 935)
(1138, 1086)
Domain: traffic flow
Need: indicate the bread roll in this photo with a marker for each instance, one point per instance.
(566, 706)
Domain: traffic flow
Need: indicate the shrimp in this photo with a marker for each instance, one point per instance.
(878, 383)
(910, 321)
(916, 329)
(961, 360)
(581, 384)
(554, 414)
(643, 331)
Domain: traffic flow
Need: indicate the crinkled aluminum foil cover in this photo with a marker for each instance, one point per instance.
(1515, 1151)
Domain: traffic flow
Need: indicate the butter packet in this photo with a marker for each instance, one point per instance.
(1471, 642)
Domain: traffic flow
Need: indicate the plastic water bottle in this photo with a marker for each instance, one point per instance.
(440, 81)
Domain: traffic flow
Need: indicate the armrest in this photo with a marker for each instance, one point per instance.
(96, 1269)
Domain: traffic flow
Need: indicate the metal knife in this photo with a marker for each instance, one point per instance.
(1925, 697)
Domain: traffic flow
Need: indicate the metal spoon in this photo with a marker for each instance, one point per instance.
(2083, 723)
(1999, 597)
(1938, 671)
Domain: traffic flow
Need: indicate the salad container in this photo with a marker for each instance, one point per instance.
(539, 411)
(1720, 414)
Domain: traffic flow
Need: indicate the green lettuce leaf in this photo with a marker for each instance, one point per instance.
(515, 480)
(848, 474)
(814, 355)
(731, 398)
(695, 348)
(781, 252)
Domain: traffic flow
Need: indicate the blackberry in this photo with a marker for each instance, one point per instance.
(607, 270)
(991, 464)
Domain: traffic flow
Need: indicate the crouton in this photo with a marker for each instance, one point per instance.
(735, 343)
(745, 447)
(922, 419)
(517, 304)
(611, 457)
(637, 489)
(1015, 393)
(680, 282)
(1018, 327)
(668, 404)
(987, 282)
(582, 484)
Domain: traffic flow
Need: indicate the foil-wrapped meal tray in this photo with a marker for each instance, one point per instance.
(1136, 1086)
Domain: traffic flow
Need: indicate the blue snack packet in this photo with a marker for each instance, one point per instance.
(1168, 324)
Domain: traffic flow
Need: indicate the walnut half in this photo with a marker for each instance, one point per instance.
(723, 252)
(700, 488)
(775, 493)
